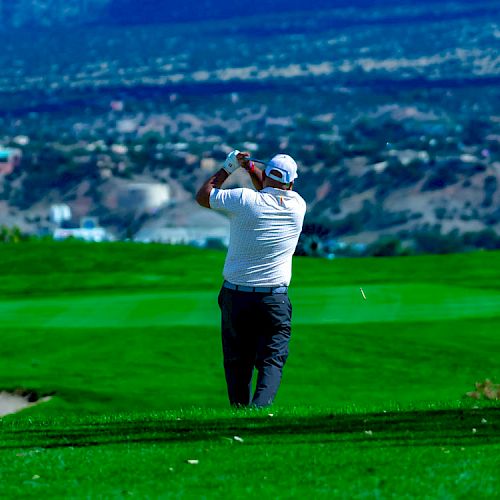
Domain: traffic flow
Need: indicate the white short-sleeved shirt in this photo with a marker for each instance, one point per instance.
(264, 230)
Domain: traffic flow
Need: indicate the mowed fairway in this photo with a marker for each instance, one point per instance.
(126, 336)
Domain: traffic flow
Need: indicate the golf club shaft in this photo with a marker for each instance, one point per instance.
(255, 160)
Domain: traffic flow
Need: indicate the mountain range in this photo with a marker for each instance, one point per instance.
(19, 13)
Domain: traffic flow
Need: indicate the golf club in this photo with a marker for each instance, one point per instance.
(257, 161)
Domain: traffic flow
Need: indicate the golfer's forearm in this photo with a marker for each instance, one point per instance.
(256, 176)
(216, 181)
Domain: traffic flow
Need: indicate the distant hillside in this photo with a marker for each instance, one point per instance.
(155, 11)
(395, 123)
(171, 11)
(49, 13)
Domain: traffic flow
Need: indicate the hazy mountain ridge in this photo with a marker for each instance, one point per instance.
(18, 13)
(152, 11)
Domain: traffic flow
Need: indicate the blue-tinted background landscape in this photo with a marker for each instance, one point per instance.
(119, 109)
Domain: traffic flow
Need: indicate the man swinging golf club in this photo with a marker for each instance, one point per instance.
(265, 226)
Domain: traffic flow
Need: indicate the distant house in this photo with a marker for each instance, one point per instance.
(10, 158)
(96, 234)
(59, 214)
(89, 230)
(186, 224)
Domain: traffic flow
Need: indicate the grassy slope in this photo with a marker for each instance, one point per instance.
(120, 329)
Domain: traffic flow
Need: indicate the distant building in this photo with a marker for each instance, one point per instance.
(186, 224)
(143, 196)
(97, 234)
(60, 214)
(197, 236)
(9, 160)
(89, 229)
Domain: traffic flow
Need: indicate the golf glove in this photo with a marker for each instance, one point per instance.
(231, 164)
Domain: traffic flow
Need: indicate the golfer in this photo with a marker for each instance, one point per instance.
(256, 312)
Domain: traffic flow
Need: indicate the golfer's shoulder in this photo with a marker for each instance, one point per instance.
(299, 198)
(231, 198)
(242, 194)
(297, 201)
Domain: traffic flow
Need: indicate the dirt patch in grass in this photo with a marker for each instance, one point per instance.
(14, 401)
(486, 390)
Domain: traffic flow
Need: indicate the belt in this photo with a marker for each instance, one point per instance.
(255, 289)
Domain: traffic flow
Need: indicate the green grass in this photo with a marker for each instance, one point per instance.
(127, 337)
(291, 454)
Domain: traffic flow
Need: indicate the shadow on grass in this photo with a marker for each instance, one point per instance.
(457, 427)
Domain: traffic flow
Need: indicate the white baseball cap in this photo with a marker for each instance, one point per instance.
(285, 165)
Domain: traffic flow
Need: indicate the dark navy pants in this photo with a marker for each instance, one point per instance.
(255, 334)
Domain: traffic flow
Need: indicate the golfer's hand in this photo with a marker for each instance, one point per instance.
(244, 161)
(231, 164)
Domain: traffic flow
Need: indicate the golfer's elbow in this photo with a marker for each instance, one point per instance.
(203, 196)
